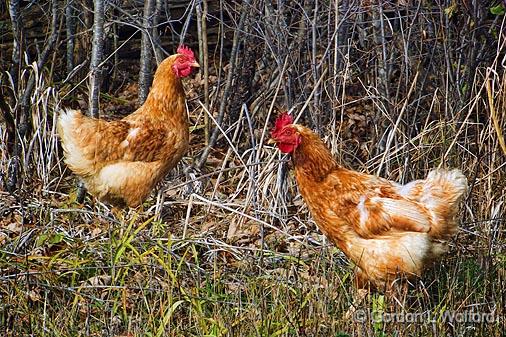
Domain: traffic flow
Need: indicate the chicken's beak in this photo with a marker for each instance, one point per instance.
(195, 65)
(271, 141)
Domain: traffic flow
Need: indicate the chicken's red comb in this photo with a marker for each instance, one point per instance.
(184, 50)
(283, 120)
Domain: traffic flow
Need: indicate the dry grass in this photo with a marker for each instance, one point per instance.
(231, 250)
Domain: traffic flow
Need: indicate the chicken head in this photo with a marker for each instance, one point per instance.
(185, 62)
(285, 134)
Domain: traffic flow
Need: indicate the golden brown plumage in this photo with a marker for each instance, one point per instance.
(121, 161)
(385, 228)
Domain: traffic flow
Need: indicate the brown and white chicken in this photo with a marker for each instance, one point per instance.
(121, 161)
(385, 228)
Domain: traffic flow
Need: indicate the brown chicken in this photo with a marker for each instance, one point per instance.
(385, 228)
(121, 161)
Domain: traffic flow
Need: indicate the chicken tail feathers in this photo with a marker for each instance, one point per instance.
(66, 124)
(69, 122)
(441, 193)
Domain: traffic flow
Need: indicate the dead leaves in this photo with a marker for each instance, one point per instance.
(242, 232)
(356, 126)
(11, 226)
(357, 118)
(195, 85)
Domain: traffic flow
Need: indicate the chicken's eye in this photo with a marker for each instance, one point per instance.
(287, 132)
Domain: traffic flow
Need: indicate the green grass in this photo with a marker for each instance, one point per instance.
(68, 279)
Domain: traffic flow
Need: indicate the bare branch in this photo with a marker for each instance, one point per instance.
(17, 32)
(221, 113)
(96, 57)
(145, 72)
(71, 30)
(22, 126)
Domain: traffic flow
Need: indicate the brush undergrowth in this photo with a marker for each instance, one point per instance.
(232, 250)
